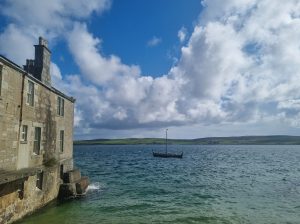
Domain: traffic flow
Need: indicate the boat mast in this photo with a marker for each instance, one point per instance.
(166, 141)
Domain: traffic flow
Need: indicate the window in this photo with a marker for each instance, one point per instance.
(30, 93)
(61, 140)
(37, 140)
(62, 172)
(39, 180)
(60, 106)
(21, 190)
(24, 133)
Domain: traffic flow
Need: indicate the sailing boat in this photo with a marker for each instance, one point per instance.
(166, 154)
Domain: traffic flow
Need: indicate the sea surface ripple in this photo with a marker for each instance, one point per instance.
(211, 184)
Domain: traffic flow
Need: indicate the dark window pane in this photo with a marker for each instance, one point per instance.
(39, 180)
(37, 140)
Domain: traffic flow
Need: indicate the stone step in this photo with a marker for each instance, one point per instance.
(72, 176)
(82, 185)
(73, 190)
(66, 191)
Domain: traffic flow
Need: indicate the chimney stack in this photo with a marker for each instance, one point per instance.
(40, 66)
(43, 42)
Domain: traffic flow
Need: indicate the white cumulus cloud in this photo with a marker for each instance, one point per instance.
(239, 66)
(182, 34)
(154, 41)
(85, 49)
(32, 18)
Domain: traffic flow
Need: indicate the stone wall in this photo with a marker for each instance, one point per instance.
(10, 101)
(44, 115)
(20, 196)
(15, 203)
(66, 123)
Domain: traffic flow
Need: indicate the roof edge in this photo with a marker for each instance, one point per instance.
(51, 88)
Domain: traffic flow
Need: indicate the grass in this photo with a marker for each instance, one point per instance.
(242, 140)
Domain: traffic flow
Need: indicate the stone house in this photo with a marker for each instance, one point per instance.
(36, 136)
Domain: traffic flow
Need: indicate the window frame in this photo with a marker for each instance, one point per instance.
(30, 93)
(60, 106)
(37, 141)
(24, 133)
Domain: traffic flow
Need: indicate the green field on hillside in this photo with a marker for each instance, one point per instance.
(242, 140)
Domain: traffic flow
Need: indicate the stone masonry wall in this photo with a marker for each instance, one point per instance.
(16, 156)
(10, 101)
(12, 207)
(66, 123)
(44, 115)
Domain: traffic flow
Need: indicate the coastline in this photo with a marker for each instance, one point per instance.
(240, 140)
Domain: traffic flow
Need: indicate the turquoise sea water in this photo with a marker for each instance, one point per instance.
(211, 184)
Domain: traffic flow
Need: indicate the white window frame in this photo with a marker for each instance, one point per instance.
(24, 133)
(60, 106)
(30, 93)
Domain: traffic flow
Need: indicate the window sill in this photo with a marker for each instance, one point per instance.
(23, 142)
(27, 104)
(36, 155)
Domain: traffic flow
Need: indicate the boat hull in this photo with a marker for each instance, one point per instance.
(167, 155)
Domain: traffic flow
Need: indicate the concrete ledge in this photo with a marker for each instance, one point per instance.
(9, 176)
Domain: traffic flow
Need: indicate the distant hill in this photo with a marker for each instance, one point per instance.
(242, 140)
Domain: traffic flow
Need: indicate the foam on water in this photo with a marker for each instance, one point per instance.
(94, 186)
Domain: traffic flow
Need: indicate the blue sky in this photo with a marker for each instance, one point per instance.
(127, 27)
(199, 68)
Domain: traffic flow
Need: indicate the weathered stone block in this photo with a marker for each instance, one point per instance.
(82, 185)
(72, 176)
(66, 191)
